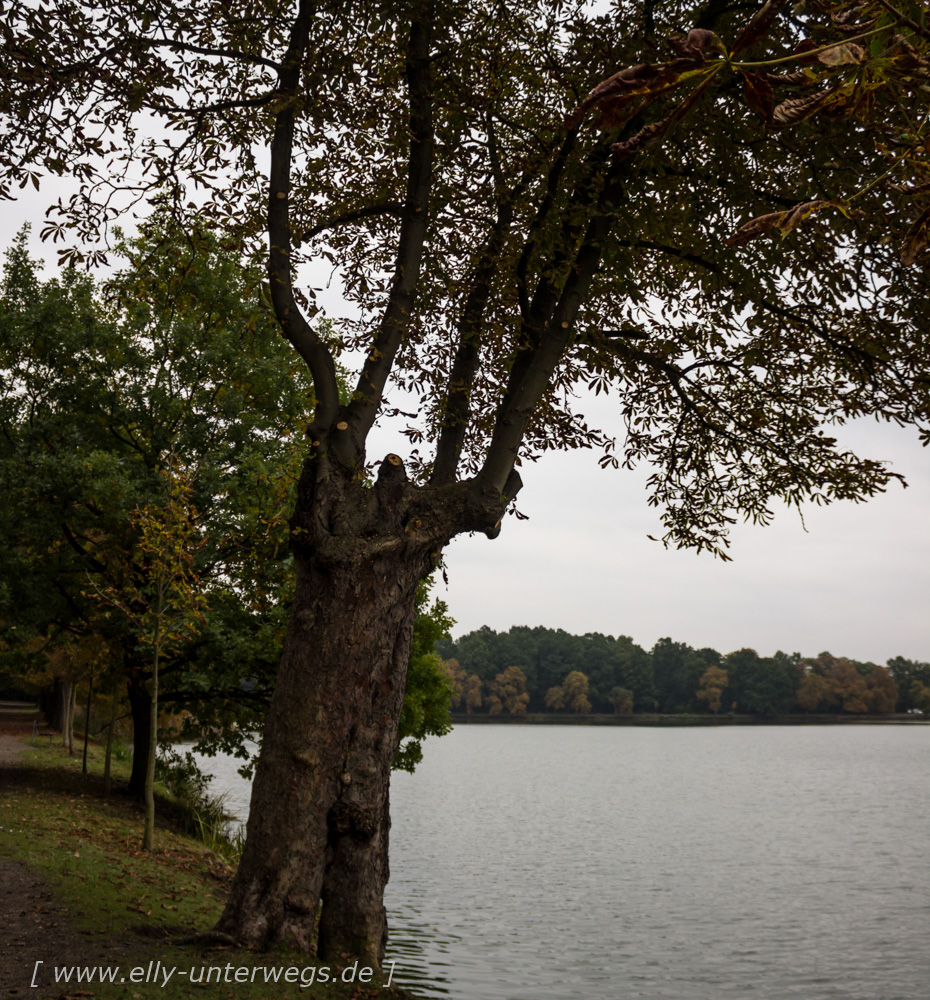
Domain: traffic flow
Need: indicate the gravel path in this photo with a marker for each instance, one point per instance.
(16, 720)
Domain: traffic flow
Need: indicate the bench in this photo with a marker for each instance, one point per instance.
(35, 732)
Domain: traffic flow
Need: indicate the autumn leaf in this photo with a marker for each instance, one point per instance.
(785, 222)
(658, 130)
(646, 80)
(796, 109)
(759, 94)
(841, 55)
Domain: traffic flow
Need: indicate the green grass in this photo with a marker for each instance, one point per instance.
(88, 848)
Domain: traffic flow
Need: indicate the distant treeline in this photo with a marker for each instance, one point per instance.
(548, 670)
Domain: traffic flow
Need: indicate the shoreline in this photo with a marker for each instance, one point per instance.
(664, 721)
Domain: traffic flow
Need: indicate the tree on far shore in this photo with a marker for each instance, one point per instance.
(713, 683)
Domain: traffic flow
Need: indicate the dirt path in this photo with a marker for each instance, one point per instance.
(33, 926)
(16, 719)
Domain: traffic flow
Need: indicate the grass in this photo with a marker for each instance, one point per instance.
(88, 849)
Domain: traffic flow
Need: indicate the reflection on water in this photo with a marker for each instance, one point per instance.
(666, 864)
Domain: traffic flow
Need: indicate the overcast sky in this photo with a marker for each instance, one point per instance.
(856, 582)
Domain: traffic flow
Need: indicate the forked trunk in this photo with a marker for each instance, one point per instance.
(317, 836)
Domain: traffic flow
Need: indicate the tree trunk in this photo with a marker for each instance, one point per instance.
(319, 820)
(52, 704)
(64, 704)
(72, 703)
(140, 706)
(318, 825)
(114, 708)
(90, 692)
(148, 830)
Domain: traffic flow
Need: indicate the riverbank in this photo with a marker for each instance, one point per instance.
(78, 893)
(644, 719)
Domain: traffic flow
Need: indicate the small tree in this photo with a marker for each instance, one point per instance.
(555, 698)
(622, 700)
(429, 692)
(576, 688)
(161, 596)
(457, 676)
(473, 686)
(920, 696)
(508, 692)
(815, 692)
(713, 683)
(883, 691)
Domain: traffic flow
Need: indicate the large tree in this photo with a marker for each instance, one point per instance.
(522, 199)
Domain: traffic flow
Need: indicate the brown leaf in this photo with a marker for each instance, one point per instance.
(806, 45)
(915, 240)
(658, 130)
(645, 80)
(627, 83)
(841, 55)
(796, 109)
(796, 215)
(759, 95)
(785, 222)
(797, 79)
(695, 44)
(616, 112)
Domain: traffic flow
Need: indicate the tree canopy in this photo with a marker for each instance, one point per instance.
(547, 258)
(104, 392)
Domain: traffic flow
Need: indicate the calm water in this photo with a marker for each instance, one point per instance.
(549, 863)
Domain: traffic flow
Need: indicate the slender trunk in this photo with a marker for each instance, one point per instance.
(148, 832)
(64, 704)
(90, 691)
(52, 705)
(140, 705)
(114, 709)
(72, 703)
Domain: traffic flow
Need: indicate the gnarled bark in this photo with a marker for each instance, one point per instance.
(319, 820)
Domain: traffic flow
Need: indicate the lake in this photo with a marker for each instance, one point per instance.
(769, 862)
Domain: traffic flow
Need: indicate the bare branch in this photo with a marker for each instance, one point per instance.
(384, 208)
(465, 364)
(361, 412)
(293, 323)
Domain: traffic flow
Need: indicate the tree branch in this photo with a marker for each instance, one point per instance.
(293, 324)
(360, 414)
(465, 365)
(171, 43)
(385, 208)
(553, 181)
(553, 315)
(72, 540)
